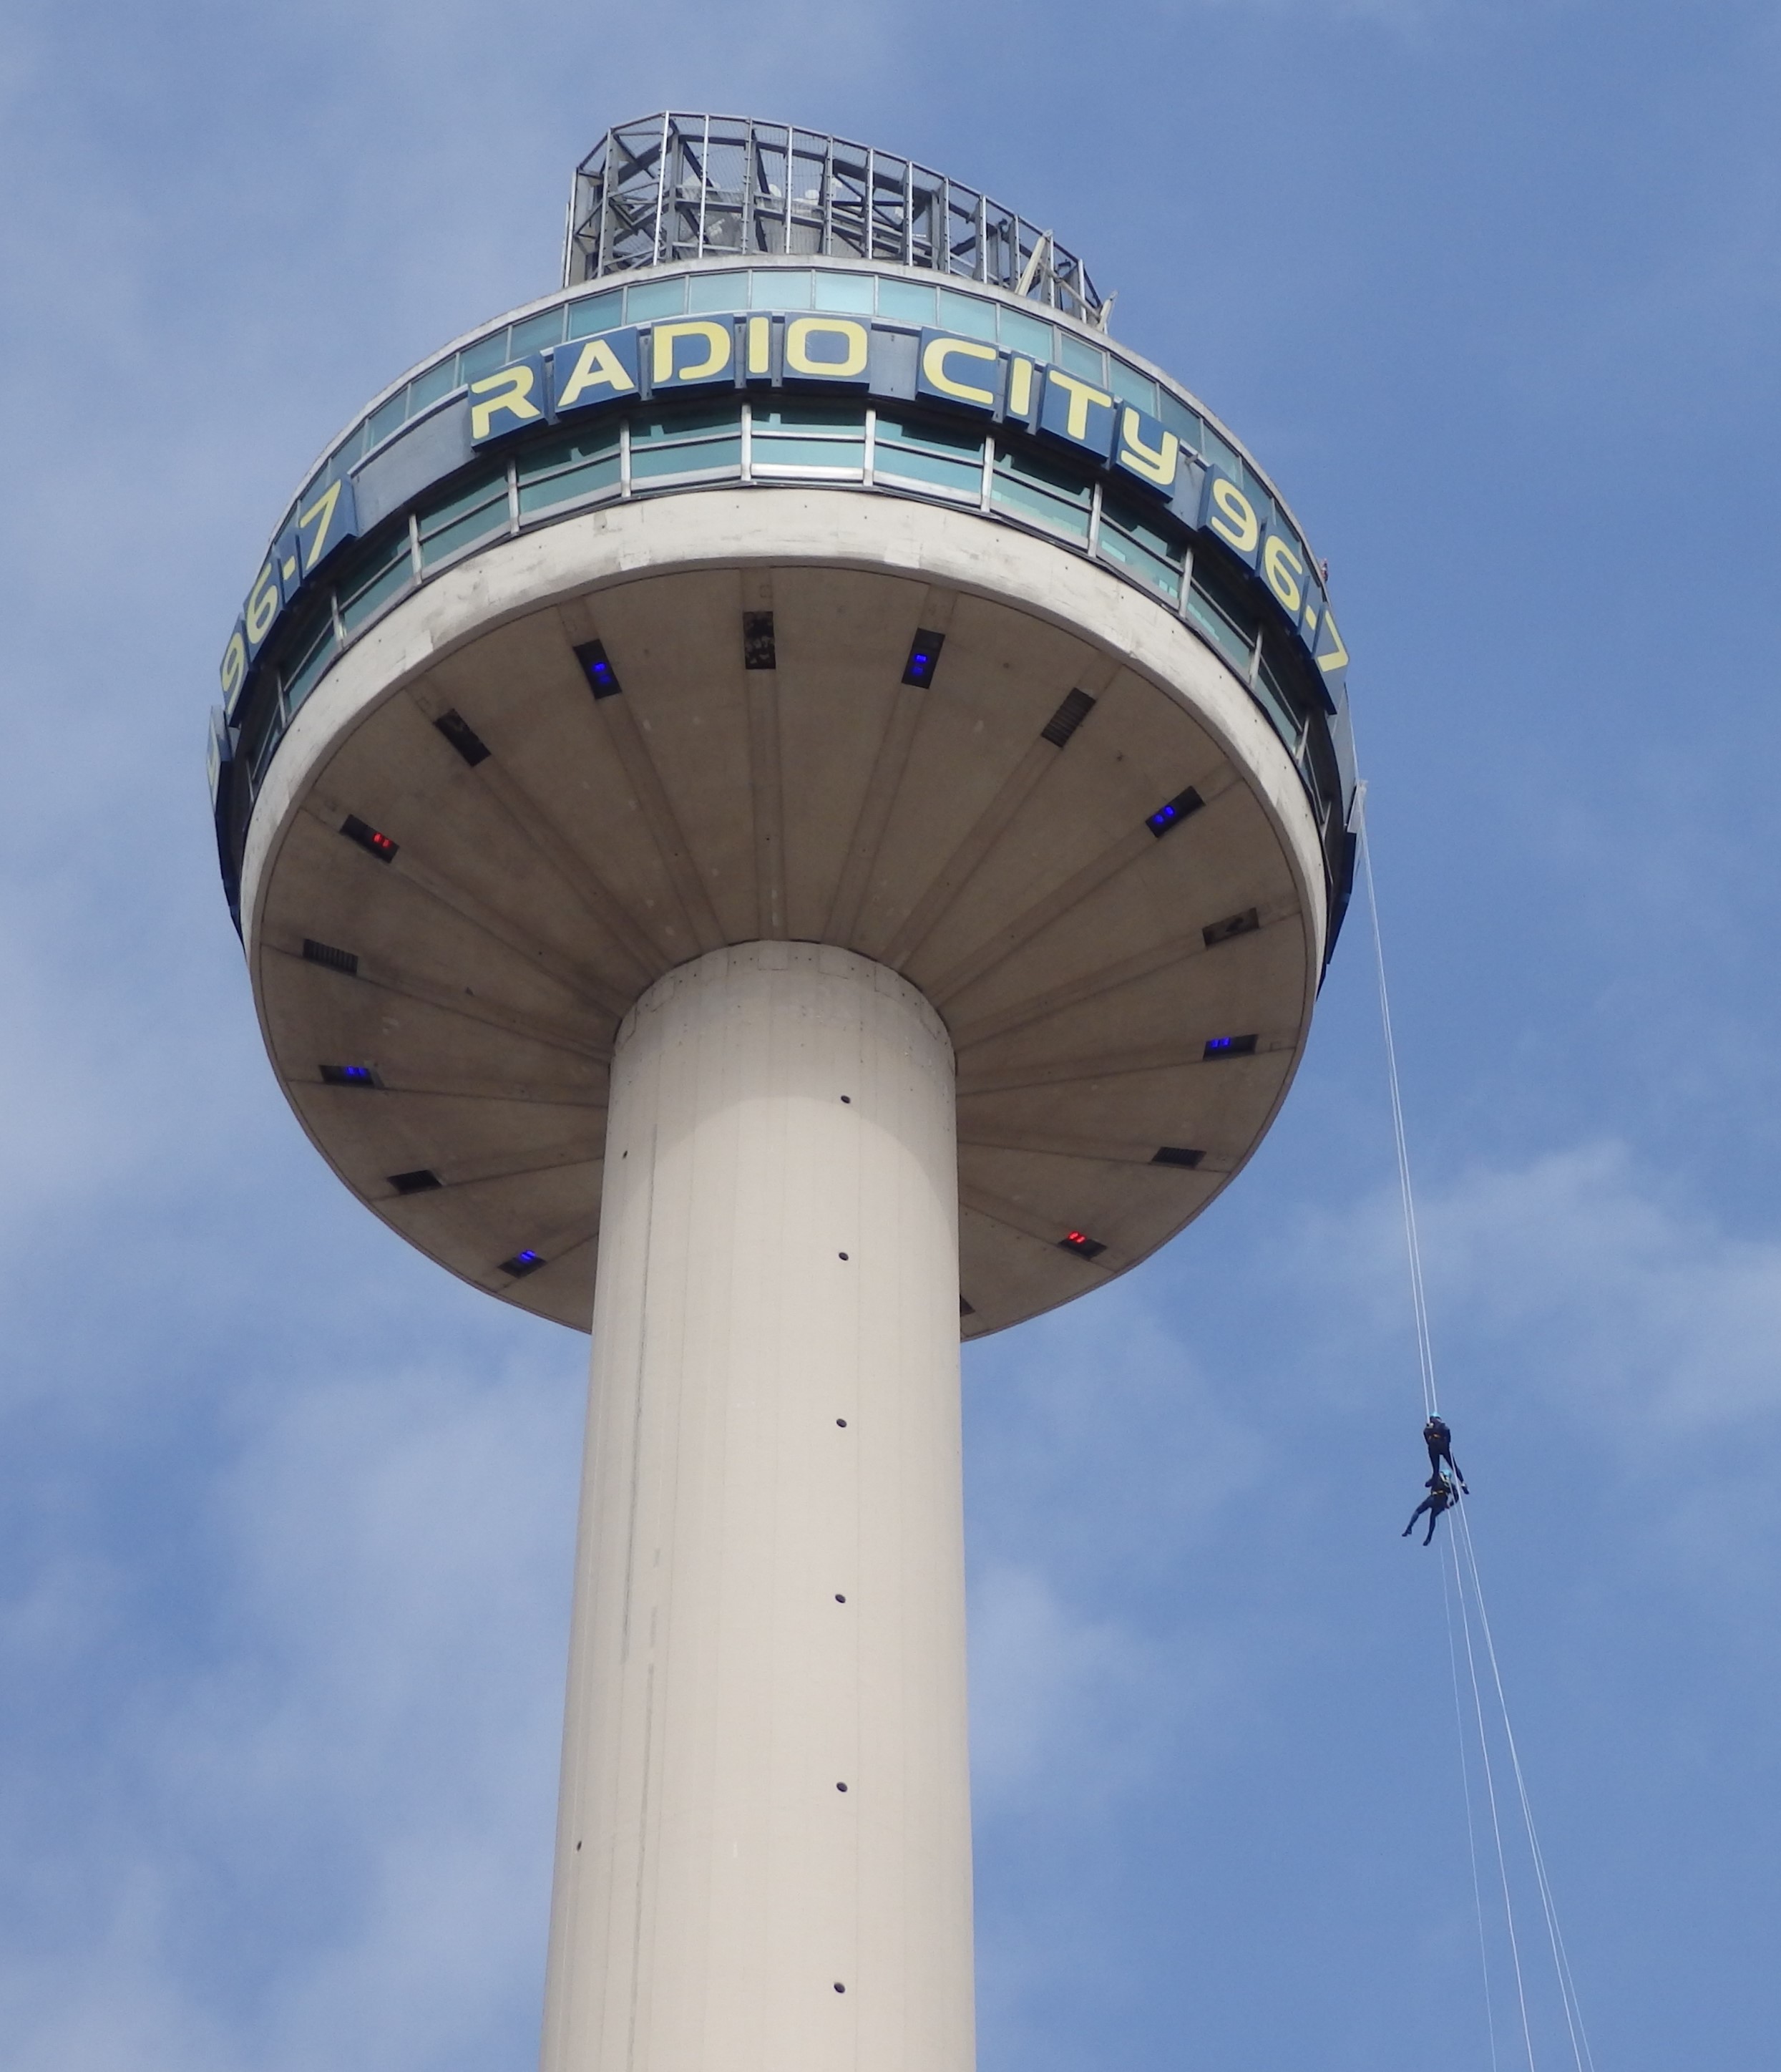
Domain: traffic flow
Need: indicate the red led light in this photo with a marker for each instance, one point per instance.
(1076, 1237)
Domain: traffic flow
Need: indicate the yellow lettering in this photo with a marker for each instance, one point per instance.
(263, 603)
(1155, 464)
(508, 392)
(235, 666)
(800, 330)
(597, 366)
(1019, 388)
(934, 356)
(760, 345)
(1337, 658)
(1233, 517)
(1081, 394)
(718, 341)
(320, 514)
(1285, 572)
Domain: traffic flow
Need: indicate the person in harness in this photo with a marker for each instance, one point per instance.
(1441, 1493)
(1439, 1441)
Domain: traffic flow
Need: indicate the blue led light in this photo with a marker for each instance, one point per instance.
(527, 1258)
(1217, 1043)
(349, 1076)
(1230, 1047)
(924, 657)
(523, 1263)
(1175, 811)
(602, 678)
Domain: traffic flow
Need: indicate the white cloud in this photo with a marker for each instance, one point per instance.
(1583, 1278)
(352, 1740)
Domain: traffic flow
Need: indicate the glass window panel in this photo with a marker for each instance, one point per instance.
(1220, 455)
(1140, 527)
(1148, 569)
(1027, 486)
(537, 462)
(387, 417)
(427, 388)
(770, 455)
(488, 484)
(478, 524)
(968, 315)
(566, 469)
(1007, 494)
(595, 313)
(377, 591)
(717, 291)
(347, 452)
(905, 301)
(1031, 467)
(483, 357)
(780, 288)
(1183, 422)
(536, 333)
(264, 753)
(568, 485)
(1080, 357)
(810, 417)
(929, 438)
(894, 463)
(1259, 497)
(1026, 334)
(666, 426)
(1233, 644)
(1130, 386)
(308, 672)
(656, 298)
(1267, 694)
(851, 292)
(1129, 540)
(688, 457)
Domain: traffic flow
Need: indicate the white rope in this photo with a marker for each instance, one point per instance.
(1412, 1244)
(1464, 1553)
(1567, 1987)
(1448, 1590)
(1496, 1827)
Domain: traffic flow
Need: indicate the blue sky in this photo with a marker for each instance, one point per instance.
(286, 1514)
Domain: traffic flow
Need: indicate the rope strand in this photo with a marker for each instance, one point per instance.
(1466, 1584)
(1425, 1347)
(1447, 1593)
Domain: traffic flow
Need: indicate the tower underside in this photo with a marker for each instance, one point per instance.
(1071, 828)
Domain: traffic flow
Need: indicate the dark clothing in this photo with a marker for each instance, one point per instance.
(1440, 1495)
(1439, 1442)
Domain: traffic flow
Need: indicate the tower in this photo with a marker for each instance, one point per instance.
(788, 800)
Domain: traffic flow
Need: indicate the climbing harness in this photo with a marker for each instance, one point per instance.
(1470, 1637)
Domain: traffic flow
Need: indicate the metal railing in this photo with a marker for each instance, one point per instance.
(678, 185)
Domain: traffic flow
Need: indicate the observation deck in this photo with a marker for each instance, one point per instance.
(810, 567)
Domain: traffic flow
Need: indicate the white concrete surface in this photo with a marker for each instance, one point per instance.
(770, 1587)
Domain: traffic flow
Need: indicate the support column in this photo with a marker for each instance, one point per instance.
(769, 1583)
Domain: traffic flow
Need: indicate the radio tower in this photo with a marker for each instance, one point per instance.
(788, 800)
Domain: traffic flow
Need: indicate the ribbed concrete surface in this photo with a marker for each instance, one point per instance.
(600, 842)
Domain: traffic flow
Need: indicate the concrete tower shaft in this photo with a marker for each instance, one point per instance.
(763, 1846)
